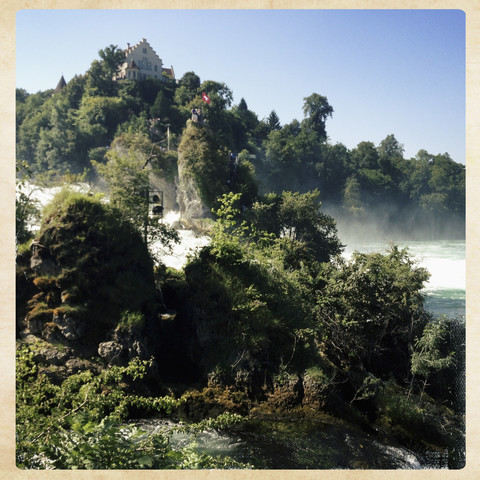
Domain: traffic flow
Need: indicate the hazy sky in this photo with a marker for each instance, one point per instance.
(384, 72)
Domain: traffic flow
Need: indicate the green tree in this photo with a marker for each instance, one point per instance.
(352, 201)
(298, 218)
(112, 58)
(301, 220)
(331, 167)
(127, 175)
(390, 147)
(161, 107)
(57, 143)
(74, 91)
(98, 118)
(365, 156)
(316, 110)
(273, 121)
(26, 208)
(391, 160)
(428, 357)
(201, 157)
(100, 76)
(371, 309)
(243, 124)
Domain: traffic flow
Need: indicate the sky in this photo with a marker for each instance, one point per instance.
(399, 72)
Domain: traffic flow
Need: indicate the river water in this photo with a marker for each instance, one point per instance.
(445, 291)
(300, 445)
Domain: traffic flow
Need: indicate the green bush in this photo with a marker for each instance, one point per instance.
(131, 320)
(80, 424)
(104, 265)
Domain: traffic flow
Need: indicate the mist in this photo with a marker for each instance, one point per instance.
(387, 222)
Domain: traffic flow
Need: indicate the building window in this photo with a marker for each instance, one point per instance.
(134, 74)
(145, 64)
(155, 67)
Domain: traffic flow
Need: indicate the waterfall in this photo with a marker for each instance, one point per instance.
(189, 243)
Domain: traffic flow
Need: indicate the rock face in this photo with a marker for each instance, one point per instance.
(125, 345)
(71, 328)
(191, 205)
(41, 261)
(87, 267)
(203, 172)
(110, 351)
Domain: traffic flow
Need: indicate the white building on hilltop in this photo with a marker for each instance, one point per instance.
(142, 62)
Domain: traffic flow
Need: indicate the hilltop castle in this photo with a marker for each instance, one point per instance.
(142, 62)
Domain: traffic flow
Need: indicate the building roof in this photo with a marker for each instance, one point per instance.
(169, 71)
(61, 85)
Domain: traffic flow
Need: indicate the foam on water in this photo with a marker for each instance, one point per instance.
(190, 242)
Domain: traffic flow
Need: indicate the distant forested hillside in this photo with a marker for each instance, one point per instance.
(68, 130)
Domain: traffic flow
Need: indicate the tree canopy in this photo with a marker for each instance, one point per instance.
(65, 131)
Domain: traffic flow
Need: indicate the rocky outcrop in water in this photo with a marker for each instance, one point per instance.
(86, 268)
(192, 207)
(203, 172)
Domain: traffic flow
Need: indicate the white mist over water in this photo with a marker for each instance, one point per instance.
(42, 196)
(189, 243)
(445, 260)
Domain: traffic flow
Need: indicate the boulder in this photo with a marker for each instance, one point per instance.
(41, 261)
(52, 356)
(110, 350)
(71, 328)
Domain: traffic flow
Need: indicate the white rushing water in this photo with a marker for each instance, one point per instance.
(177, 258)
(189, 243)
(42, 196)
(444, 259)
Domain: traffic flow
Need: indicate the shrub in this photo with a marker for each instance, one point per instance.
(131, 320)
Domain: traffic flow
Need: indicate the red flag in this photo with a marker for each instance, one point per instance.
(205, 97)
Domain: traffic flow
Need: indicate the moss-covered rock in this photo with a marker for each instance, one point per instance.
(203, 169)
(99, 267)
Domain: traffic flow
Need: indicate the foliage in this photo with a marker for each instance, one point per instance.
(255, 300)
(371, 309)
(298, 218)
(202, 158)
(103, 265)
(370, 182)
(127, 174)
(80, 424)
(428, 357)
(26, 209)
(316, 110)
(130, 320)
(273, 121)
